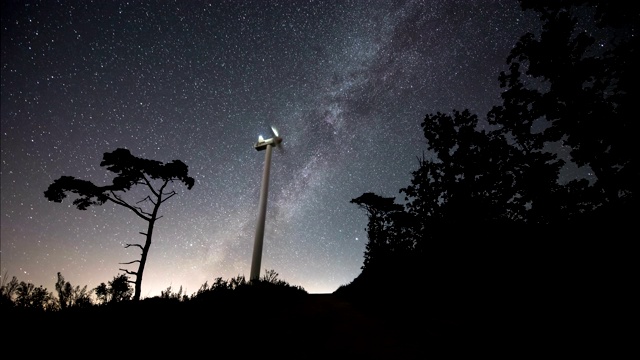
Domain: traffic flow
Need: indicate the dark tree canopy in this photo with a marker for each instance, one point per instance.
(579, 81)
(376, 205)
(88, 193)
(131, 171)
(474, 176)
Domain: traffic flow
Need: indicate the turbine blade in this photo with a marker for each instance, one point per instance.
(275, 132)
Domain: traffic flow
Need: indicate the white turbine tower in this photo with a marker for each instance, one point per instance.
(268, 145)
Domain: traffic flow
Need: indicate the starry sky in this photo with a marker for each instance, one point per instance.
(346, 84)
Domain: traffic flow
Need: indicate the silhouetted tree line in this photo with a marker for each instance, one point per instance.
(172, 323)
(22, 295)
(486, 223)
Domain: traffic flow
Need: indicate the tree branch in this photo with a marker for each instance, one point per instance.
(147, 198)
(144, 177)
(171, 194)
(129, 271)
(136, 245)
(130, 262)
(138, 211)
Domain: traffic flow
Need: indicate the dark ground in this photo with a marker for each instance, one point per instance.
(310, 326)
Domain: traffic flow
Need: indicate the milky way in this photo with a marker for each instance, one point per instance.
(346, 83)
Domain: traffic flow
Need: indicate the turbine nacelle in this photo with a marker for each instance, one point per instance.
(274, 141)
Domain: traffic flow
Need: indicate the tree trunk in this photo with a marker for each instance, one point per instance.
(145, 250)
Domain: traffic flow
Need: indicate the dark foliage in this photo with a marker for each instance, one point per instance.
(590, 84)
(263, 318)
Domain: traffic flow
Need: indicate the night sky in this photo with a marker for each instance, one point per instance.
(346, 83)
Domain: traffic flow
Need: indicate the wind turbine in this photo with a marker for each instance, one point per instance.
(267, 145)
